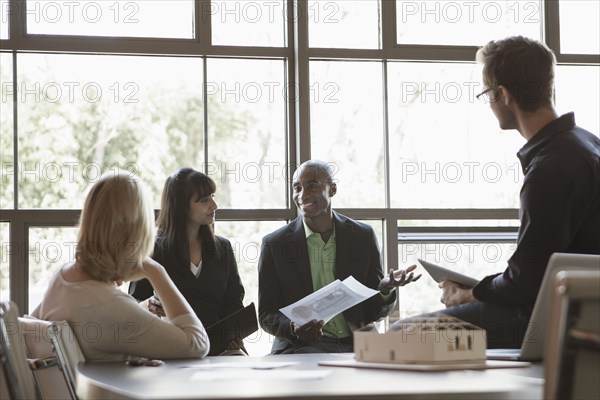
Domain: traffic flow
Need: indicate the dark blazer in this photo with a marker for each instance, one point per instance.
(284, 275)
(215, 294)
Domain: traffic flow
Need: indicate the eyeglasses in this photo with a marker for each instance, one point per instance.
(484, 96)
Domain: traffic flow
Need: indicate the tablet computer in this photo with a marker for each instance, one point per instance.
(439, 273)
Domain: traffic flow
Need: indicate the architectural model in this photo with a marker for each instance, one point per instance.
(439, 339)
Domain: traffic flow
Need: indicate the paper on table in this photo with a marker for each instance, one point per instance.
(241, 365)
(450, 366)
(328, 301)
(251, 374)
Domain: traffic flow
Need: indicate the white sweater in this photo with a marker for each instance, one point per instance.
(110, 325)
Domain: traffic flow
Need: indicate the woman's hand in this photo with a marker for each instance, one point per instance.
(172, 301)
(155, 307)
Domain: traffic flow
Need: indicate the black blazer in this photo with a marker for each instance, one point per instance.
(215, 294)
(284, 275)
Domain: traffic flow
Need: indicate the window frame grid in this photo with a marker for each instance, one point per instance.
(297, 56)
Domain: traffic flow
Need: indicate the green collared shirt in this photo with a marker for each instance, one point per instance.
(322, 269)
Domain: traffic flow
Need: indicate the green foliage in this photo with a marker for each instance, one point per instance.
(64, 145)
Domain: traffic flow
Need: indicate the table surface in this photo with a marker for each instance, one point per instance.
(214, 378)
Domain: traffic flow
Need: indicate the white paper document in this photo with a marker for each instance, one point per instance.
(241, 365)
(328, 301)
(254, 375)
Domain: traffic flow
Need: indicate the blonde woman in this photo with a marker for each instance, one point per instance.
(116, 236)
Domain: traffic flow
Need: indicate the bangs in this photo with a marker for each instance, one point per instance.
(201, 186)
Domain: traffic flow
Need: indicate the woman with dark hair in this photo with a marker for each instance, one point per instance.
(201, 264)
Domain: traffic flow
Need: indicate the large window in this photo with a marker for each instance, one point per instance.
(347, 128)
(247, 23)
(574, 15)
(246, 132)
(570, 79)
(245, 90)
(6, 132)
(146, 18)
(466, 22)
(441, 161)
(351, 24)
(83, 115)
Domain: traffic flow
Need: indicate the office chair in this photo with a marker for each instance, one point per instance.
(68, 352)
(572, 352)
(17, 373)
(4, 394)
(50, 378)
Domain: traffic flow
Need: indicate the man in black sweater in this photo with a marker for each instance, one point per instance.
(560, 197)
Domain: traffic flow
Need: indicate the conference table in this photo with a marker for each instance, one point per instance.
(298, 377)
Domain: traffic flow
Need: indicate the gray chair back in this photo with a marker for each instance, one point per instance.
(50, 378)
(13, 356)
(572, 353)
(67, 352)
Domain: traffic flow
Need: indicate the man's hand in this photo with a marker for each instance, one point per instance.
(397, 278)
(453, 294)
(310, 331)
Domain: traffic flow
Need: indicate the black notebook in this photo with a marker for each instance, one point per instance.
(240, 324)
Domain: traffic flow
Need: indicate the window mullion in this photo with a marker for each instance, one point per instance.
(388, 24)
(302, 80)
(17, 25)
(551, 26)
(203, 26)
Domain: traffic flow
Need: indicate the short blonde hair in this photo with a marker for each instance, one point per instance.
(116, 228)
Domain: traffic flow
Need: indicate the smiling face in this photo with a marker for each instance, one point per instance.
(312, 192)
(202, 210)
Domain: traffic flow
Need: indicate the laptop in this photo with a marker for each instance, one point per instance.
(532, 348)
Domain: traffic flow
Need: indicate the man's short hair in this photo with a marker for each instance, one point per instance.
(523, 66)
(321, 168)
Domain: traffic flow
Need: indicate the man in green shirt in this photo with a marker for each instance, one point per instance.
(312, 251)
